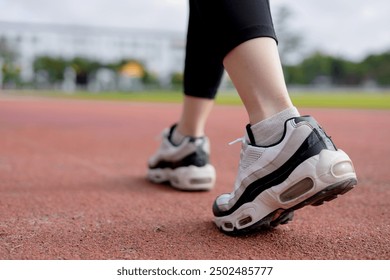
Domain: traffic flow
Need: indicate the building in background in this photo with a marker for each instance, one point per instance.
(161, 52)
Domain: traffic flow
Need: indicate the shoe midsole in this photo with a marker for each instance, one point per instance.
(309, 178)
(189, 177)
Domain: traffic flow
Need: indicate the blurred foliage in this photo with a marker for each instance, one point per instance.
(52, 66)
(319, 68)
(339, 71)
(10, 70)
(83, 65)
(316, 69)
(377, 67)
(84, 68)
(177, 80)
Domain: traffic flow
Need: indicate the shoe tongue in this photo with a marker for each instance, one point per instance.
(249, 135)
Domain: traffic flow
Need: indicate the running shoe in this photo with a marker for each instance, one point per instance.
(303, 168)
(184, 166)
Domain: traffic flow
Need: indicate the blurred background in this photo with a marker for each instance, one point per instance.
(128, 45)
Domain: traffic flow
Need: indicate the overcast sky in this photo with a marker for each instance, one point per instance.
(349, 28)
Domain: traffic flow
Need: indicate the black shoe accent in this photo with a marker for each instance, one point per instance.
(308, 119)
(198, 158)
(327, 139)
(283, 216)
(251, 137)
(173, 127)
(312, 146)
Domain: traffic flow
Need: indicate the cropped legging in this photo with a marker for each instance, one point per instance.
(216, 27)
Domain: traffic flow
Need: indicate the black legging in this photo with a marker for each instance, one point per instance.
(216, 27)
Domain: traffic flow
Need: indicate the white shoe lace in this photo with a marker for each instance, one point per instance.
(238, 140)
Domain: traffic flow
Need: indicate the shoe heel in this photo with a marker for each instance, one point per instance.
(193, 178)
(335, 166)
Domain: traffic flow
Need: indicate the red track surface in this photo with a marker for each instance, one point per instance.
(72, 187)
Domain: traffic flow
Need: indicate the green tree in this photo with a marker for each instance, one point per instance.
(150, 79)
(310, 68)
(341, 71)
(10, 71)
(54, 67)
(377, 67)
(177, 80)
(84, 65)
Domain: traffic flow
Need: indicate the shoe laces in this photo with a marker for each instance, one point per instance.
(238, 140)
(243, 142)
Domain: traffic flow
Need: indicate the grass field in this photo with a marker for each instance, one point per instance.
(357, 100)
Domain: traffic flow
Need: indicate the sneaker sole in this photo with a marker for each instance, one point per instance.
(283, 216)
(189, 178)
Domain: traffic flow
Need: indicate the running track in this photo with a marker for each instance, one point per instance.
(72, 186)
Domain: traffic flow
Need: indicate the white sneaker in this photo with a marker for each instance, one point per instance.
(303, 168)
(185, 166)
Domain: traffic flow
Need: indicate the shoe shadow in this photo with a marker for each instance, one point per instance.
(143, 185)
(211, 229)
(134, 183)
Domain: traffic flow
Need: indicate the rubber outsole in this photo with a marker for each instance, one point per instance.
(283, 216)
